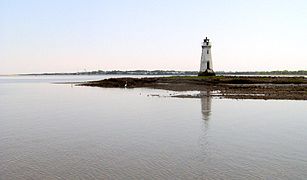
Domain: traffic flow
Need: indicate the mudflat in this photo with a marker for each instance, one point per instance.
(237, 87)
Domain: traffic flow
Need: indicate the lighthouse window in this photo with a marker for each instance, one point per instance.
(207, 51)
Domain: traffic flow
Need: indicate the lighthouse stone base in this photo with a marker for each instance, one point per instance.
(208, 72)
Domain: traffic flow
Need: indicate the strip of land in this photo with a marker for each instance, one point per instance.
(169, 72)
(238, 87)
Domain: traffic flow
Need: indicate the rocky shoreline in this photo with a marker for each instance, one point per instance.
(237, 87)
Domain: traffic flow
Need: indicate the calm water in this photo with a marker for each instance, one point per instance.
(59, 131)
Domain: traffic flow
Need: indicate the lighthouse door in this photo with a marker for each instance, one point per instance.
(208, 65)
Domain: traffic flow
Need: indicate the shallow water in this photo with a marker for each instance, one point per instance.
(59, 131)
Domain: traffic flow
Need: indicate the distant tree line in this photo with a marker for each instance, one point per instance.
(172, 72)
(284, 72)
(118, 72)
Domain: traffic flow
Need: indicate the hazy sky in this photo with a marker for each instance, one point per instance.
(73, 35)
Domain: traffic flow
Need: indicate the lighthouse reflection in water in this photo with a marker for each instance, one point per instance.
(206, 101)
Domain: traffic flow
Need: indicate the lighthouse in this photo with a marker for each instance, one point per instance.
(206, 68)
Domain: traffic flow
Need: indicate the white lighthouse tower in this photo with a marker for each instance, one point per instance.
(206, 68)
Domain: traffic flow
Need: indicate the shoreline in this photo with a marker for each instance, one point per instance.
(234, 87)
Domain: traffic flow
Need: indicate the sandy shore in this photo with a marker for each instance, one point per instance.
(288, 88)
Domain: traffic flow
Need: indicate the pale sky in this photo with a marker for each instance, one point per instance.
(73, 35)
